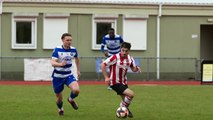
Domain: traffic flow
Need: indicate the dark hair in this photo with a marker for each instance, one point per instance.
(126, 45)
(65, 34)
(112, 29)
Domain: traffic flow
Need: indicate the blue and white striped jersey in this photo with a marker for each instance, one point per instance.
(62, 54)
(113, 45)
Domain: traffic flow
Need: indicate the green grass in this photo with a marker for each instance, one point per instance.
(97, 103)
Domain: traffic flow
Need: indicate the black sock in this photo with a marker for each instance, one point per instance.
(59, 104)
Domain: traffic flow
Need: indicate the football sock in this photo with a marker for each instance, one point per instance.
(72, 95)
(59, 104)
(126, 101)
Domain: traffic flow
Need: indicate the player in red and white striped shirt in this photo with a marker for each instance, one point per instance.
(119, 64)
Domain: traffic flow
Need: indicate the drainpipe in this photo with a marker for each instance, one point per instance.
(1, 2)
(158, 41)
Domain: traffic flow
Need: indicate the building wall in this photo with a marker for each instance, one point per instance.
(177, 36)
(179, 30)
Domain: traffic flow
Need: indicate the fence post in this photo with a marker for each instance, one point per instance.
(0, 65)
(1, 2)
(147, 72)
(196, 68)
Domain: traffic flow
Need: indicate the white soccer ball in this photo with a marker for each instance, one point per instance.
(122, 112)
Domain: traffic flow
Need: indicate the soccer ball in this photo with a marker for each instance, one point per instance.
(122, 112)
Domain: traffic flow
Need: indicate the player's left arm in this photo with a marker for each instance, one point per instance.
(77, 62)
(121, 40)
(134, 67)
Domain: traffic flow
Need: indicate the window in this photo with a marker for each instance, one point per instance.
(24, 31)
(54, 26)
(102, 29)
(135, 31)
(101, 25)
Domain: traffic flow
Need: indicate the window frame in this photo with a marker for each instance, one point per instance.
(102, 18)
(24, 18)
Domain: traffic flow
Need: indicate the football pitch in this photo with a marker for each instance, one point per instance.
(151, 102)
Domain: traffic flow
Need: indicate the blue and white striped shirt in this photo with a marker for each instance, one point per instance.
(62, 54)
(113, 45)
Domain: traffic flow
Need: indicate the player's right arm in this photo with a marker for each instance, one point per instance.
(55, 63)
(108, 62)
(103, 68)
(105, 53)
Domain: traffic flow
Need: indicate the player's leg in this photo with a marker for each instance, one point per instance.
(59, 103)
(126, 95)
(109, 88)
(126, 99)
(74, 87)
(58, 87)
(74, 93)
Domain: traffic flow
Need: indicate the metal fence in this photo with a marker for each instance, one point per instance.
(14, 68)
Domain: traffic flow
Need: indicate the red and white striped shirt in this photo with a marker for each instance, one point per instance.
(118, 68)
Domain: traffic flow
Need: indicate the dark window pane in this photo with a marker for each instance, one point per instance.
(23, 32)
(102, 29)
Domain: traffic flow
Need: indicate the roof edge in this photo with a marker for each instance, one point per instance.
(110, 2)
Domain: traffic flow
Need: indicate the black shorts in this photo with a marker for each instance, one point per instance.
(119, 88)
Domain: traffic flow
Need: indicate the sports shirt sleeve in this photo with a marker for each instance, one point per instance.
(55, 54)
(121, 40)
(103, 44)
(110, 61)
(76, 55)
(132, 64)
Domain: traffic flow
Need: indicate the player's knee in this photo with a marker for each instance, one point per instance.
(59, 98)
(76, 91)
(131, 95)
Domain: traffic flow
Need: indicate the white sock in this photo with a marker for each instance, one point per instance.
(126, 101)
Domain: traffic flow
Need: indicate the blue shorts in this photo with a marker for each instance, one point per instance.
(58, 83)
